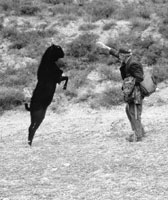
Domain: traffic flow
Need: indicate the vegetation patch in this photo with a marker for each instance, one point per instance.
(87, 27)
(161, 72)
(109, 25)
(110, 97)
(101, 9)
(10, 98)
(82, 54)
(83, 46)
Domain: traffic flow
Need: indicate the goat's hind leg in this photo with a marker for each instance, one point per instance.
(36, 119)
(31, 133)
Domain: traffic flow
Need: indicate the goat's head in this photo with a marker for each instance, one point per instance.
(53, 53)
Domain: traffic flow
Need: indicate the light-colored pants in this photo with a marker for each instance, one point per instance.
(134, 112)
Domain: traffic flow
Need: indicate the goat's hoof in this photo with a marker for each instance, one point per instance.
(29, 143)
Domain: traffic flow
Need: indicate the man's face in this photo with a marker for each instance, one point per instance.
(124, 57)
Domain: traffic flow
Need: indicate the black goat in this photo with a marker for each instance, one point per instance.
(48, 75)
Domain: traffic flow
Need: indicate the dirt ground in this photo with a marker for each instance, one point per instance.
(82, 154)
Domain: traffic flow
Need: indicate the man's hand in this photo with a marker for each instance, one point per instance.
(103, 46)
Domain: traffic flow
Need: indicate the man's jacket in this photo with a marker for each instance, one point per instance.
(132, 68)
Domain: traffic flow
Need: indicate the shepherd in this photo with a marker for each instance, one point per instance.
(133, 75)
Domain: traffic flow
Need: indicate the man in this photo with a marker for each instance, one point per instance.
(130, 68)
(134, 100)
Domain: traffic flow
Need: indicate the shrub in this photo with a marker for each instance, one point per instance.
(6, 5)
(139, 23)
(153, 54)
(145, 10)
(65, 19)
(9, 32)
(18, 78)
(141, 47)
(160, 72)
(87, 27)
(161, 10)
(28, 10)
(163, 29)
(78, 78)
(136, 9)
(10, 97)
(109, 25)
(99, 9)
(128, 11)
(67, 10)
(109, 73)
(20, 7)
(82, 46)
(112, 96)
(54, 2)
(23, 39)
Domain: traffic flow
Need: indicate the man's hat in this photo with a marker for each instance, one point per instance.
(124, 51)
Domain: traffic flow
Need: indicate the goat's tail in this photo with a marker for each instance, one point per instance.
(27, 107)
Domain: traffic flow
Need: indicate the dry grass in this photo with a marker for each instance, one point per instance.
(82, 154)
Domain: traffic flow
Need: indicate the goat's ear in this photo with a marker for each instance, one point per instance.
(52, 45)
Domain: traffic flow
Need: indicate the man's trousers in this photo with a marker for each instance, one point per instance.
(134, 112)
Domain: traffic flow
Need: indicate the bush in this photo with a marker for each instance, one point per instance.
(160, 72)
(136, 9)
(6, 5)
(67, 10)
(163, 29)
(9, 32)
(140, 47)
(83, 46)
(109, 25)
(29, 10)
(149, 51)
(153, 54)
(78, 79)
(145, 10)
(99, 9)
(139, 23)
(10, 98)
(112, 96)
(87, 27)
(23, 39)
(18, 78)
(128, 11)
(54, 2)
(161, 10)
(109, 73)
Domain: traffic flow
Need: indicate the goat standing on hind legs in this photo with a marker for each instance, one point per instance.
(48, 76)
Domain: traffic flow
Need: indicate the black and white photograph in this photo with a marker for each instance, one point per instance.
(83, 100)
